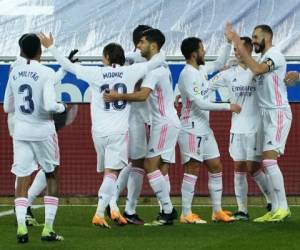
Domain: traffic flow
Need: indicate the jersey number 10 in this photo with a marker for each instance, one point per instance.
(117, 105)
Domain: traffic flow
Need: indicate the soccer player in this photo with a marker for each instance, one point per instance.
(30, 94)
(238, 80)
(109, 119)
(139, 122)
(165, 125)
(39, 183)
(274, 110)
(196, 139)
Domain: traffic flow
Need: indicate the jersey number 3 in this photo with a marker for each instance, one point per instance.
(28, 106)
(117, 105)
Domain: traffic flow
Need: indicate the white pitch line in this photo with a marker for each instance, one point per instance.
(11, 211)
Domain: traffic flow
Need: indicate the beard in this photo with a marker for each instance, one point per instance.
(200, 61)
(261, 46)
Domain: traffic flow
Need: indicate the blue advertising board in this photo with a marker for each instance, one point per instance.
(73, 90)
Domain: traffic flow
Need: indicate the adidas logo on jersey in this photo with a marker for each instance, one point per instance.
(269, 143)
(151, 150)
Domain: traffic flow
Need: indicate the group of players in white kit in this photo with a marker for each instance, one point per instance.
(133, 117)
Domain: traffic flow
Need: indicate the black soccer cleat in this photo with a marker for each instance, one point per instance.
(52, 236)
(22, 238)
(133, 219)
(167, 219)
(239, 215)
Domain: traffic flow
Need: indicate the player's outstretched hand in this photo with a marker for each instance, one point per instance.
(110, 96)
(230, 33)
(72, 54)
(235, 108)
(291, 78)
(45, 40)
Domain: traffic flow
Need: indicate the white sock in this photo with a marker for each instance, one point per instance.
(21, 209)
(262, 182)
(276, 178)
(134, 188)
(167, 179)
(159, 186)
(121, 183)
(105, 193)
(38, 185)
(51, 204)
(187, 192)
(215, 187)
(241, 190)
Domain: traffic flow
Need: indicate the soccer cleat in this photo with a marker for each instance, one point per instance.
(133, 219)
(164, 219)
(221, 216)
(100, 221)
(229, 213)
(280, 215)
(191, 219)
(118, 218)
(265, 218)
(239, 215)
(22, 234)
(49, 235)
(30, 220)
(269, 207)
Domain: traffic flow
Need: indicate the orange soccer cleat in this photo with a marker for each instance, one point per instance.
(100, 221)
(221, 216)
(117, 217)
(191, 219)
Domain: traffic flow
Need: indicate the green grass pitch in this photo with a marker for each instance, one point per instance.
(74, 223)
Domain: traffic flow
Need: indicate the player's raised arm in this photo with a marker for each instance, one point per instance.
(50, 103)
(219, 81)
(82, 72)
(8, 103)
(255, 67)
(194, 95)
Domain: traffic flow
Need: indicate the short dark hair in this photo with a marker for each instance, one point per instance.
(247, 42)
(190, 45)
(138, 32)
(154, 36)
(30, 45)
(265, 28)
(115, 53)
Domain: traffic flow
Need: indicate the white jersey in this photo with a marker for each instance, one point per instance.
(59, 75)
(161, 99)
(139, 112)
(109, 118)
(30, 94)
(242, 91)
(195, 95)
(271, 89)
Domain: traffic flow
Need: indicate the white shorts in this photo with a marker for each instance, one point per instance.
(242, 147)
(162, 141)
(200, 148)
(112, 151)
(273, 130)
(28, 154)
(138, 139)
